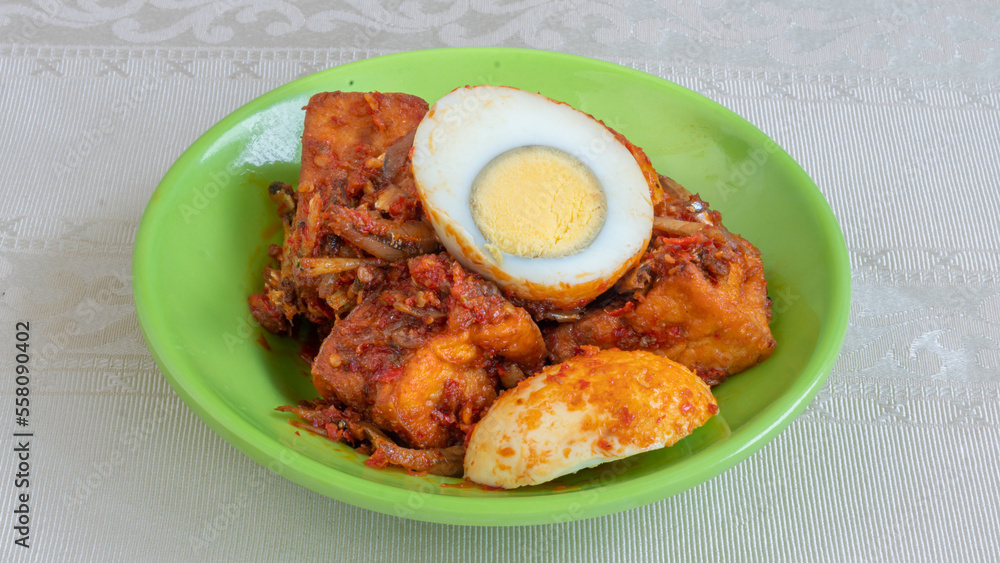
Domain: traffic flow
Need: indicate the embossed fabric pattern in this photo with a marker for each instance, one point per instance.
(893, 108)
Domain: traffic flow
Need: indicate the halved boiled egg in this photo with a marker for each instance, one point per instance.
(533, 194)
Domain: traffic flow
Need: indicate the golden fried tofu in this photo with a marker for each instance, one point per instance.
(698, 296)
(347, 140)
(355, 203)
(424, 357)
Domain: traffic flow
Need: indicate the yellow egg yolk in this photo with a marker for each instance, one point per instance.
(537, 202)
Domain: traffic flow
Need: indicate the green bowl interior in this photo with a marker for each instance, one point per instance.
(203, 239)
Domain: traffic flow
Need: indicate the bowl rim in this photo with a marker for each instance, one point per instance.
(501, 510)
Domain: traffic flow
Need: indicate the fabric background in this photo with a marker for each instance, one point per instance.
(893, 108)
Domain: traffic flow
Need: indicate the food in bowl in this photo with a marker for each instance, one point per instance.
(419, 343)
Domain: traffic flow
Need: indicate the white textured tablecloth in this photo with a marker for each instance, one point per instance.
(892, 107)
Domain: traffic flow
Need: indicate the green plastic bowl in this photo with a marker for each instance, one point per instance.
(203, 239)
